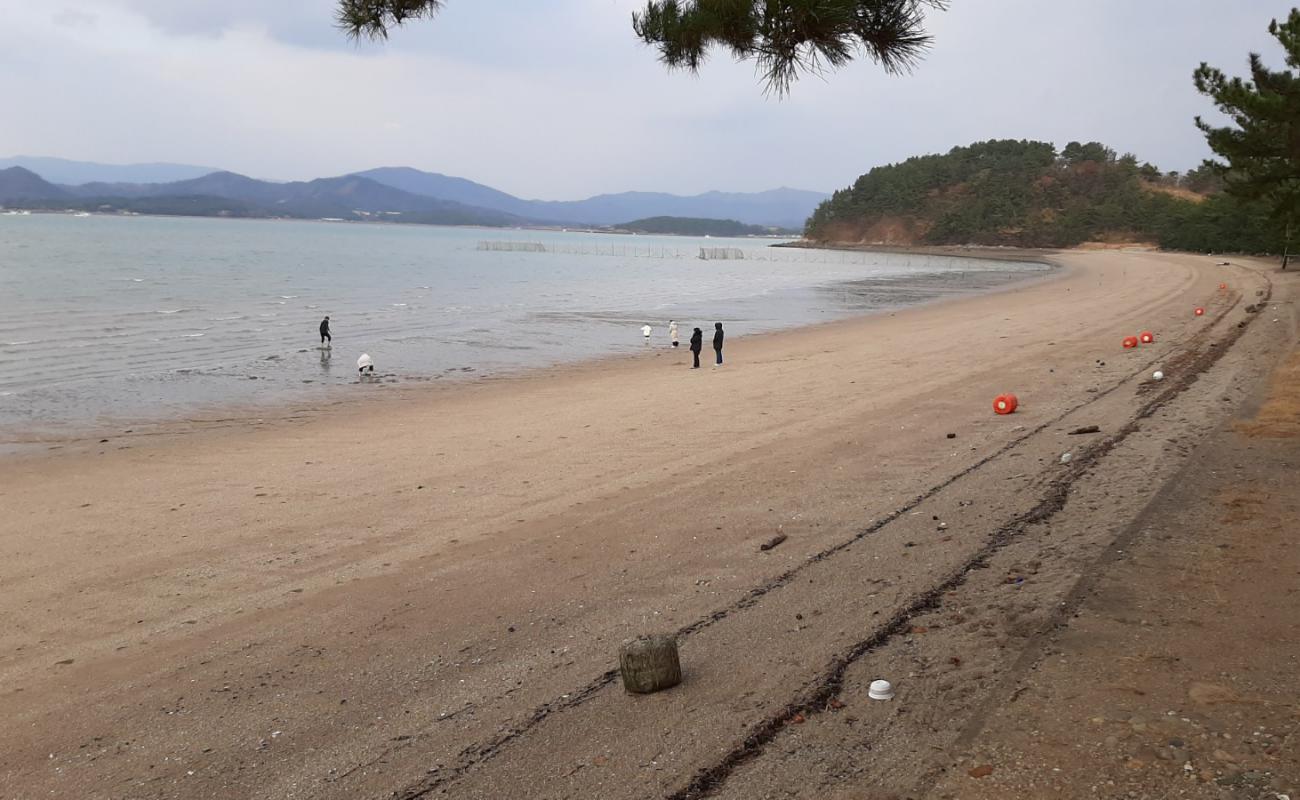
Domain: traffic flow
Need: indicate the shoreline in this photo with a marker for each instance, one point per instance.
(429, 597)
(227, 416)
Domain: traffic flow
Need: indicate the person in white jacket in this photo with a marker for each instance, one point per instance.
(672, 331)
(645, 331)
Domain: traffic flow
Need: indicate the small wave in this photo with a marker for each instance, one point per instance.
(288, 297)
(399, 305)
(193, 335)
(172, 311)
(226, 319)
(15, 344)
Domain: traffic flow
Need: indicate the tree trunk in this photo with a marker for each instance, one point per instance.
(650, 664)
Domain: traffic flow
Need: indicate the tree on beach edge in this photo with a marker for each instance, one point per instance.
(1261, 148)
(784, 40)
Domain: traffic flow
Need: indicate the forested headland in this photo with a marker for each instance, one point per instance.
(1027, 194)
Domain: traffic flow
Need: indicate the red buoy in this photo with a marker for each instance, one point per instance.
(1146, 337)
(1200, 312)
(1005, 404)
(1130, 342)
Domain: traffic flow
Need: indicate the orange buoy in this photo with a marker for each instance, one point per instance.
(1200, 312)
(1146, 337)
(1130, 342)
(1005, 404)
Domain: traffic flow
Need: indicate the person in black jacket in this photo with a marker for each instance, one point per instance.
(717, 342)
(697, 344)
(325, 333)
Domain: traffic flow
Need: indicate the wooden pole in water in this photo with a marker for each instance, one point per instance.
(650, 664)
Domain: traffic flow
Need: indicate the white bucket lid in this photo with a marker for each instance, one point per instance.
(881, 690)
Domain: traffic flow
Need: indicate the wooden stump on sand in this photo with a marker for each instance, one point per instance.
(649, 664)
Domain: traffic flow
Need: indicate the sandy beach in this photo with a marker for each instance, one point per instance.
(423, 596)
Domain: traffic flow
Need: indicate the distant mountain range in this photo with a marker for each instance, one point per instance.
(785, 208)
(398, 194)
(61, 170)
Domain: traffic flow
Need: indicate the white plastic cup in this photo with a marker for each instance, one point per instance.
(881, 690)
(1157, 376)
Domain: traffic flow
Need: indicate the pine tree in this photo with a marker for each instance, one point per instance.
(1261, 148)
(784, 39)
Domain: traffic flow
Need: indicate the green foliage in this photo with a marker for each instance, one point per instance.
(1261, 147)
(787, 38)
(692, 226)
(1022, 194)
(784, 39)
(372, 19)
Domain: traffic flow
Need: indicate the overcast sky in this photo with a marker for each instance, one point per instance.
(555, 99)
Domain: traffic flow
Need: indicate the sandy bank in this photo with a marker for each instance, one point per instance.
(426, 598)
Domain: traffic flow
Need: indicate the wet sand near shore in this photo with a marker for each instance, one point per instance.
(427, 599)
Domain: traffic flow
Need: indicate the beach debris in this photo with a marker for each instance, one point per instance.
(1146, 337)
(1130, 342)
(773, 542)
(1252, 308)
(1085, 429)
(1200, 312)
(1157, 376)
(1005, 404)
(880, 690)
(798, 719)
(982, 771)
(952, 436)
(650, 664)
(1066, 457)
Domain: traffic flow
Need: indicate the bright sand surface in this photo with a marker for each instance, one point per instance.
(424, 595)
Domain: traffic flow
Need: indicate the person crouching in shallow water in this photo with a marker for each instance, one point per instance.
(697, 344)
(365, 364)
(717, 342)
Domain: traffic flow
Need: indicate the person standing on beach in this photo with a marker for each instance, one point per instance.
(325, 339)
(717, 342)
(672, 332)
(645, 331)
(697, 344)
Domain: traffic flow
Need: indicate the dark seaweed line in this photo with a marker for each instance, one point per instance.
(707, 781)
(476, 754)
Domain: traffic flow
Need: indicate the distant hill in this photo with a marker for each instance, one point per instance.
(229, 194)
(61, 170)
(17, 183)
(785, 208)
(1025, 194)
(447, 187)
(691, 226)
(409, 192)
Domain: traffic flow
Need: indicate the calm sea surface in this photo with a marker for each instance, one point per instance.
(109, 321)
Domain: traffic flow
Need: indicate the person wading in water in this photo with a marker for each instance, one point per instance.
(325, 339)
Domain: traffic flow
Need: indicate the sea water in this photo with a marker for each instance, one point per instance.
(108, 321)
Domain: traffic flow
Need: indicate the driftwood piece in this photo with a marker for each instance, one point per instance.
(1085, 429)
(773, 542)
(650, 664)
